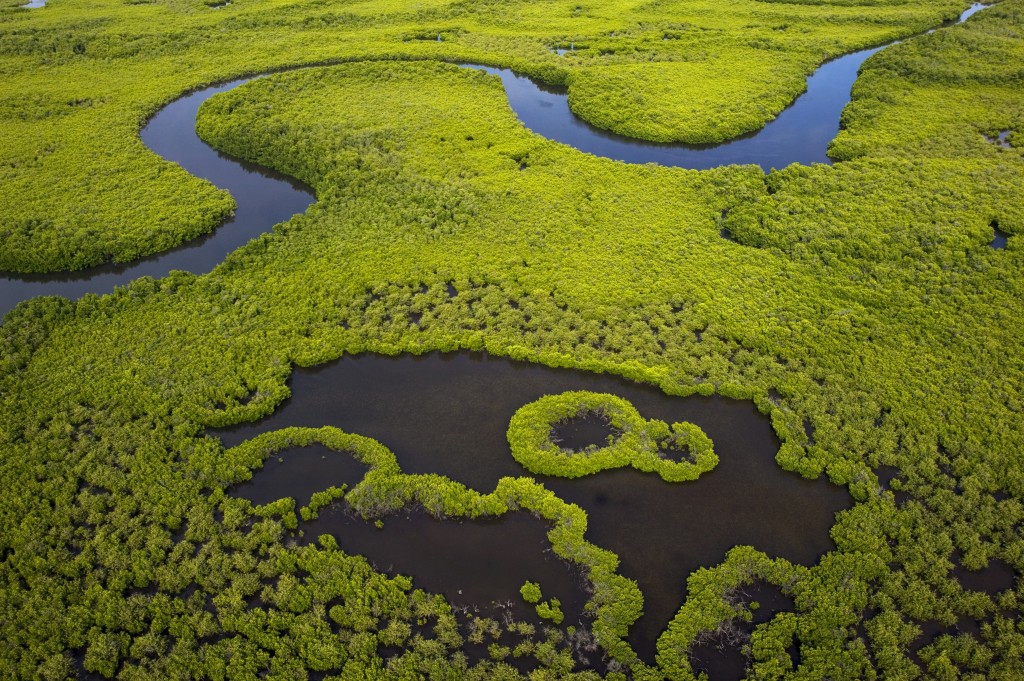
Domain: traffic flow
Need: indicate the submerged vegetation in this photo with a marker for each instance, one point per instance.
(859, 305)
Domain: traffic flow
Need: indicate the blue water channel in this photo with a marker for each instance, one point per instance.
(800, 134)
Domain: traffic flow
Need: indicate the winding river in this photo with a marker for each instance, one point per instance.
(800, 134)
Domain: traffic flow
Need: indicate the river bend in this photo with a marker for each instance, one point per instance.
(800, 134)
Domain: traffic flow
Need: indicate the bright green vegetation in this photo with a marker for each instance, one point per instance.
(616, 601)
(81, 77)
(641, 444)
(531, 592)
(549, 610)
(862, 309)
(708, 607)
(321, 500)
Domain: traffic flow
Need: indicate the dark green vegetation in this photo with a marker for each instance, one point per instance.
(860, 306)
(639, 443)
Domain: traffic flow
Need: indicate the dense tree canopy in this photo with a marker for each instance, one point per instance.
(859, 305)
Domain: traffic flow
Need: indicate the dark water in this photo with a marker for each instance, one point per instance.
(886, 476)
(264, 199)
(476, 564)
(996, 577)
(300, 472)
(721, 656)
(589, 430)
(999, 239)
(467, 561)
(932, 631)
(448, 414)
(800, 134)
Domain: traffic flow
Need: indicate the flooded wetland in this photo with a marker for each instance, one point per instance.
(448, 414)
(649, 342)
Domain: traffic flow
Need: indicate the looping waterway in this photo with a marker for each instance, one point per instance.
(442, 414)
(800, 134)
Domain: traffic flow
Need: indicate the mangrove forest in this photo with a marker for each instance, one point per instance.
(508, 339)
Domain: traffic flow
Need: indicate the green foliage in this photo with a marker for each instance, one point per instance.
(860, 307)
(640, 443)
(706, 97)
(320, 500)
(80, 82)
(531, 592)
(551, 610)
(385, 490)
(708, 608)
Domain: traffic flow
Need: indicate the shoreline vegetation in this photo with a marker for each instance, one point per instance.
(860, 306)
(611, 75)
(637, 443)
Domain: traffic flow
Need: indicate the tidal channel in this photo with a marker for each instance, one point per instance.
(800, 134)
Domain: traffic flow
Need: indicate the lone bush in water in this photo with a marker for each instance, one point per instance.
(531, 592)
(551, 610)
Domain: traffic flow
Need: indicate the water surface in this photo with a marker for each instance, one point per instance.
(264, 198)
(298, 473)
(449, 413)
(999, 239)
(800, 134)
(477, 564)
(720, 654)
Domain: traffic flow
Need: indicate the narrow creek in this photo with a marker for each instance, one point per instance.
(800, 134)
(263, 197)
